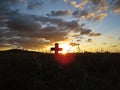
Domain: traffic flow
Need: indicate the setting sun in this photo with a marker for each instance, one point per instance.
(66, 48)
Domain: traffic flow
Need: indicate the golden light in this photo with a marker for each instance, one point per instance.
(65, 47)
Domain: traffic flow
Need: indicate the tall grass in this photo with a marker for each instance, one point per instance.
(25, 70)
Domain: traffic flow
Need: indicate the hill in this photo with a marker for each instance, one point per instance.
(24, 70)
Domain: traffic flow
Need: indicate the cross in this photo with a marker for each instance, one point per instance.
(56, 48)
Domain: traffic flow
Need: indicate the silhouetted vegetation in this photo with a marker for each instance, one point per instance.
(24, 70)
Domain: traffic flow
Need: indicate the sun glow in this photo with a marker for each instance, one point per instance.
(65, 47)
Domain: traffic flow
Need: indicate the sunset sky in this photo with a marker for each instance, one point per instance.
(82, 25)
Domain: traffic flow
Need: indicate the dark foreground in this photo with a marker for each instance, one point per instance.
(22, 70)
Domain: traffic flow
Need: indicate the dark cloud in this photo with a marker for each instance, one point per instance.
(89, 40)
(60, 13)
(49, 29)
(8, 34)
(115, 6)
(38, 27)
(73, 44)
(90, 16)
(104, 43)
(65, 25)
(72, 25)
(83, 24)
(82, 14)
(31, 31)
(95, 34)
(78, 40)
(26, 26)
(100, 5)
(28, 42)
(3, 40)
(23, 30)
(51, 21)
(76, 13)
(22, 23)
(85, 31)
(53, 36)
(25, 42)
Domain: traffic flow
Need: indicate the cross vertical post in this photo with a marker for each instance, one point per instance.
(56, 48)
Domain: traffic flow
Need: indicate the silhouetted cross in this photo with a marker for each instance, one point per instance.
(56, 48)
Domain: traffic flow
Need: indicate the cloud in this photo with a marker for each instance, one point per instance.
(89, 40)
(65, 25)
(34, 30)
(83, 14)
(3, 40)
(95, 34)
(52, 34)
(4, 46)
(94, 10)
(34, 4)
(88, 15)
(104, 43)
(28, 42)
(58, 23)
(25, 42)
(100, 5)
(60, 13)
(96, 5)
(79, 5)
(73, 3)
(99, 17)
(51, 21)
(85, 31)
(27, 26)
(29, 30)
(78, 40)
(116, 6)
(73, 44)
(22, 23)
(26, 30)
(76, 13)
(72, 25)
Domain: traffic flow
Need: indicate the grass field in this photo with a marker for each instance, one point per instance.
(24, 70)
